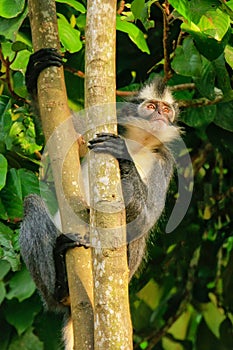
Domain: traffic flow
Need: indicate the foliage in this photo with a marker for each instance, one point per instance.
(183, 298)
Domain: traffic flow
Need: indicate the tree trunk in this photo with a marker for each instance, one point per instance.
(64, 155)
(112, 321)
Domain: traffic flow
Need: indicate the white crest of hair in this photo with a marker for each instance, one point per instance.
(68, 335)
(148, 93)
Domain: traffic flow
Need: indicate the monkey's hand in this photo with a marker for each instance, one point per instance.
(110, 144)
(134, 190)
(63, 243)
(38, 61)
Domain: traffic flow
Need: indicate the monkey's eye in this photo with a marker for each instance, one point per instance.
(166, 109)
(150, 106)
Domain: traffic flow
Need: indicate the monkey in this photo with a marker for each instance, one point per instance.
(146, 129)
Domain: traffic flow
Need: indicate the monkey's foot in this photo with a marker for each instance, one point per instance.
(63, 243)
(38, 61)
(110, 144)
(70, 240)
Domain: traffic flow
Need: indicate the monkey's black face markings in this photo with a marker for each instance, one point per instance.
(111, 144)
(38, 61)
(153, 110)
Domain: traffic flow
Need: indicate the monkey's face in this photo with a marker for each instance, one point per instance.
(159, 113)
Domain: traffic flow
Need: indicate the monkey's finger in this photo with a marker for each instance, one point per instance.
(102, 134)
(117, 149)
(45, 53)
(104, 142)
(69, 240)
(102, 138)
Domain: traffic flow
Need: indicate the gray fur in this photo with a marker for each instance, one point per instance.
(37, 240)
(144, 181)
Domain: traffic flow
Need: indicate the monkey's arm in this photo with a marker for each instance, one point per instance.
(144, 202)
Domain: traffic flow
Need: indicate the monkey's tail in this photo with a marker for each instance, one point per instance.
(68, 333)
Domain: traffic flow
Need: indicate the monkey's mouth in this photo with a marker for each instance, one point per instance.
(160, 120)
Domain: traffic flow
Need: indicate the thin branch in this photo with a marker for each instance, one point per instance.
(74, 71)
(125, 93)
(200, 102)
(167, 64)
(121, 7)
(180, 87)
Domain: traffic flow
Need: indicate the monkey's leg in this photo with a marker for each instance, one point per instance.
(43, 249)
(63, 243)
(38, 61)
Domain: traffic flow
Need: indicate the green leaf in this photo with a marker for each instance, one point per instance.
(229, 55)
(208, 45)
(21, 61)
(19, 46)
(224, 116)
(6, 235)
(75, 4)
(9, 244)
(137, 8)
(5, 117)
(214, 23)
(187, 60)
(11, 195)
(70, 37)
(3, 213)
(4, 268)
(150, 294)
(206, 83)
(3, 171)
(199, 117)
(19, 84)
(21, 315)
(81, 22)
(22, 134)
(223, 141)
(2, 291)
(21, 285)
(19, 184)
(183, 7)
(223, 78)
(141, 11)
(28, 341)
(207, 23)
(213, 317)
(10, 9)
(12, 258)
(193, 10)
(10, 27)
(135, 34)
(29, 182)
